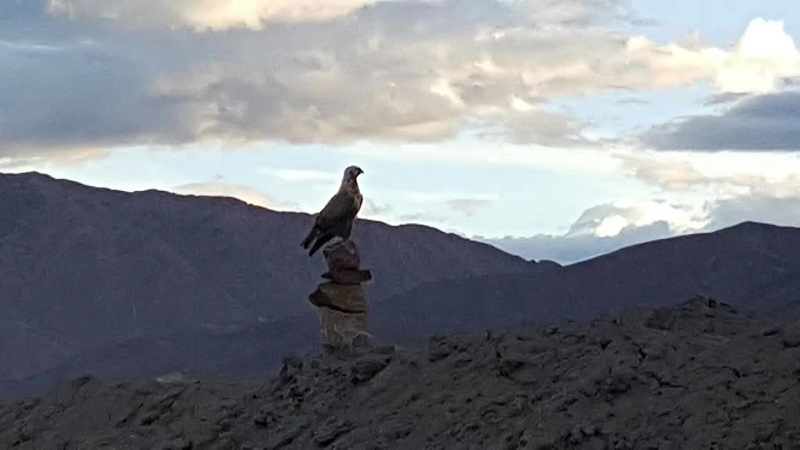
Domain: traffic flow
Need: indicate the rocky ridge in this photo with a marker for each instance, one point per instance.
(697, 375)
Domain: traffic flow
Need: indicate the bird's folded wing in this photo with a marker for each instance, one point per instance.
(343, 205)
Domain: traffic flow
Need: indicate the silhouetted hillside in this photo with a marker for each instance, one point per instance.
(753, 266)
(134, 285)
(82, 268)
(244, 352)
(697, 375)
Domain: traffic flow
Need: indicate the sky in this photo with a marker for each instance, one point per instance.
(552, 129)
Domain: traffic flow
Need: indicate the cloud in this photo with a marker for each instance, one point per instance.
(122, 72)
(724, 98)
(422, 218)
(220, 188)
(467, 206)
(575, 12)
(632, 101)
(205, 14)
(443, 208)
(303, 175)
(720, 175)
(669, 175)
(605, 228)
(759, 60)
(484, 153)
(611, 219)
(765, 200)
(734, 198)
(568, 249)
(761, 122)
(372, 209)
(256, 14)
(600, 230)
(757, 207)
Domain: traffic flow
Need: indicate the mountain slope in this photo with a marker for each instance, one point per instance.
(83, 267)
(753, 266)
(696, 375)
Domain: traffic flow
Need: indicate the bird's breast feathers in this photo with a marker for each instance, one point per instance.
(359, 199)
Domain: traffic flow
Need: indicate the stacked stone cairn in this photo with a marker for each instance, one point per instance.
(342, 302)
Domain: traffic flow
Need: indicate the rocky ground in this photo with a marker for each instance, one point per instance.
(698, 375)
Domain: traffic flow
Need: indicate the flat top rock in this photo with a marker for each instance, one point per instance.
(342, 256)
(695, 376)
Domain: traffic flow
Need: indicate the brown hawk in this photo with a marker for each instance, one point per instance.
(337, 217)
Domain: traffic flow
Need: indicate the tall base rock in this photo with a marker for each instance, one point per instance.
(341, 300)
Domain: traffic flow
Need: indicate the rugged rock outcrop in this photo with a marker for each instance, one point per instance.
(698, 375)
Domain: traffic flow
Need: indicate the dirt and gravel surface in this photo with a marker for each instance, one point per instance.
(696, 376)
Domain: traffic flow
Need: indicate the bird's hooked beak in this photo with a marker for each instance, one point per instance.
(359, 171)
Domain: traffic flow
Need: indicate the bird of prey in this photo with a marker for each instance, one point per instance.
(337, 217)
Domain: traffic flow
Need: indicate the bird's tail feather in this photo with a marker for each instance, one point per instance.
(311, 235)
(322, 240)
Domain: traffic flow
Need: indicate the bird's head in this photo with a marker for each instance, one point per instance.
(352, 172)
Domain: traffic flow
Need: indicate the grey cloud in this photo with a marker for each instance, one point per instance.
(368, 76)
(760, 208)
(764, 122)
(724, 98)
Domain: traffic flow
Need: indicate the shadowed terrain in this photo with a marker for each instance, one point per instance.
(752, 266)
(695, 375)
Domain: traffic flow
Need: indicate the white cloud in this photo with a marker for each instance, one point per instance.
(611, 219)
(725, 191)
(468, 206)
(302, 175)
(762, 56)
(717, 175)
(568, 249)
(373, 210)
(609, 227)
(220, 188)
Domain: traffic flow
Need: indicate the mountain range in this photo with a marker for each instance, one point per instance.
(752, 266)
(82, 268)
(128, 285)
